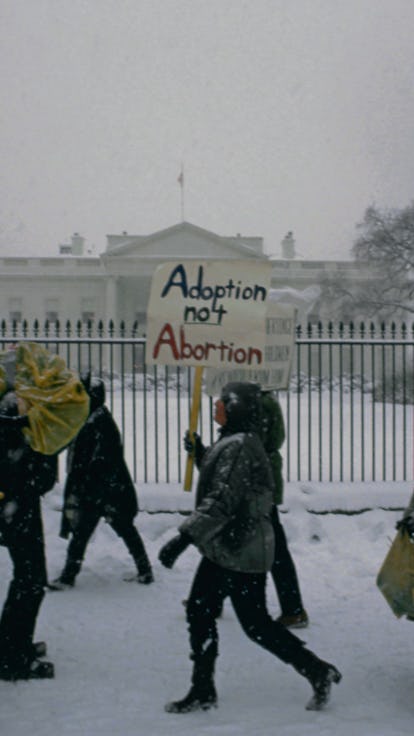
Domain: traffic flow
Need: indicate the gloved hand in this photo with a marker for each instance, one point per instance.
(407, 524)
(190, 442)
(172, 549)
(194, 446)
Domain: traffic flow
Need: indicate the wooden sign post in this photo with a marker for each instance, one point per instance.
(195, 410)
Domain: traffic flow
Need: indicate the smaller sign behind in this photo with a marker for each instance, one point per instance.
(279, 351)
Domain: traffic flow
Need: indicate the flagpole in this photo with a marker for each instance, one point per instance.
(182, 201)
(181, 183)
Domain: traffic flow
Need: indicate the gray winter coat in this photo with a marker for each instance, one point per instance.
(231, 525)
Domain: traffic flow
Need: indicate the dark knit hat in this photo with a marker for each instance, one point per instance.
(242, 405)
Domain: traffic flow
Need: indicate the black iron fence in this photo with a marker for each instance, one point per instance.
(348, 410)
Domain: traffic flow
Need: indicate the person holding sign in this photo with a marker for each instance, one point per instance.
(283, 571)
(232, 528)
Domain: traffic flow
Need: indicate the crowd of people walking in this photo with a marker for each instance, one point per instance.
(235, 526)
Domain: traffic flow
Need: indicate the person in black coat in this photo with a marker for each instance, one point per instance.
(25, 476)
(98, 485)
(283, 570)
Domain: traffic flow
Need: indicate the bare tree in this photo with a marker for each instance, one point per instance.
(385, 251)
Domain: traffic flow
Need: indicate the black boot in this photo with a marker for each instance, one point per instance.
(38, 649)
(320, 674)
(197, 698)
(202, 694)
(29, 669)
(133, 542)
(145, 575)
(41, 670)
(67, 577)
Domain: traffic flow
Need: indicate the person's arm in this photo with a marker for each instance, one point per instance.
(14, 422)
(407, 522)
(279, 422)
(227, 487)
(173, 549)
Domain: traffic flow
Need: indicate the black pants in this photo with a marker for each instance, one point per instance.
(211, 585)
(284, 572)
(25, 542)
(122, 526)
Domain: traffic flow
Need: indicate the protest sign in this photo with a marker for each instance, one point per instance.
(275, 371)
(209, 313)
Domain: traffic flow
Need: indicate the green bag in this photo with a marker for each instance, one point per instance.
(396, 576)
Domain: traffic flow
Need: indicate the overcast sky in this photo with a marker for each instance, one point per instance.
(288, 115)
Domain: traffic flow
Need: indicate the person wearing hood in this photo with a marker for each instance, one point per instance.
(25, 476)
(98, 485)
(232, 528)
(283, 570)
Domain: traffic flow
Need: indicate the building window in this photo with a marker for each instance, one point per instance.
(313, 318)
(65, 250)
(141, 322)
(15, 309)
(88, 317)
(15, 316)
(52, 310)
(87, 310)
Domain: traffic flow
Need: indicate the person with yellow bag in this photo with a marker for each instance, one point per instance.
(58, 404)
(396, 576)
(407, 521)
(42, 406)
(25, 476)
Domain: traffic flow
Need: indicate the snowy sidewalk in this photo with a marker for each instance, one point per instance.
(121, 650)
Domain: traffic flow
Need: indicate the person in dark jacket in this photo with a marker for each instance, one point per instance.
(232, 528)
(25, 476)
(98, 485)
(283, 569)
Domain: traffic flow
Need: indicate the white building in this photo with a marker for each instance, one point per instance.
(74, 286)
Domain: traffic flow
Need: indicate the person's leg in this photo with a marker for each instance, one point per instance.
(76, 550)
(26, 591)
(126, 530)
(247, 594)
(286, 581)
(203, 607)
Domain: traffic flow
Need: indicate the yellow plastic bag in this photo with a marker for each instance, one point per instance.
(396, 576)
(57, 400)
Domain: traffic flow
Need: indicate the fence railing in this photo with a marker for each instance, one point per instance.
(348, 410)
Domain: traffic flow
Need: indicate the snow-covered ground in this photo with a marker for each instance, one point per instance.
(120, 649)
